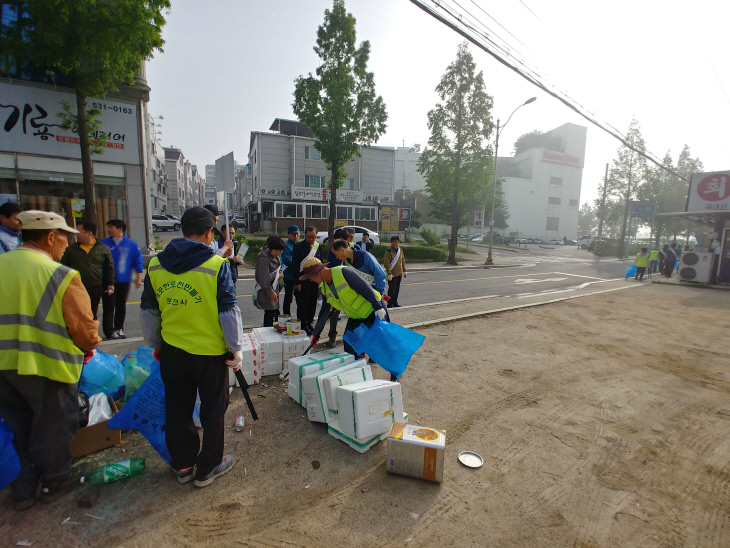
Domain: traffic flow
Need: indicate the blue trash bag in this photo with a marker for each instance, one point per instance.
(145, 411)
(137, 367)
(9, 462)
(103, 374)
(630, 271)
(389, 344)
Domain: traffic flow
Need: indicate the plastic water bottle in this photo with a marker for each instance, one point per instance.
(116, 471)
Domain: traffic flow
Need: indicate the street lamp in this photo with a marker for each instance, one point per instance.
(494, 184)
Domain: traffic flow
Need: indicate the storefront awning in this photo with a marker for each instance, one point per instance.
(709, 218)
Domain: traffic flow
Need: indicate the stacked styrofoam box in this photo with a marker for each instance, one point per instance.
(293, 346)
(250, 364)
(358, 444)
(320, 408)
(368, 408)
(271, 350)
(311, 363)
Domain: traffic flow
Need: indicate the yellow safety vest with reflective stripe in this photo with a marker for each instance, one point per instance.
(189, 307)
(642, 260)
(348, 300)
(34, 339)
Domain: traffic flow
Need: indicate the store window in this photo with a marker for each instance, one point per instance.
(364, 213)
(317, 212)
(283, 210)
(344, 213)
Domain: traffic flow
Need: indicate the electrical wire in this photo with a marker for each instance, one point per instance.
(474, 28)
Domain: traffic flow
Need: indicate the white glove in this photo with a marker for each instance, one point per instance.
(235, 363)
(390, 277)
(380, 314)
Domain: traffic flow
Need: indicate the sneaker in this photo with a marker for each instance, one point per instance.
(120, 334)
(23, 504)
(225, 466)
(185, 475)
(332, 341)
(54, 489)
(114, 336)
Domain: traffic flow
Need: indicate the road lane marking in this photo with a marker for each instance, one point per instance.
(522, 281)
(578, 276)
(475, 279)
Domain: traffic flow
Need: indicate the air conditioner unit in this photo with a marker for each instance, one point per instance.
(369, 198)
(696, 266)
(283, 192)
(264, 191)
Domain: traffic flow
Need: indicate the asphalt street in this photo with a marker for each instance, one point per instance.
(532, 273)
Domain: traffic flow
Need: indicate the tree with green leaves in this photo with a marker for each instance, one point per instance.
(457, 162)
(339, 105)
(538, 139)
(587, 220)
(97, 43)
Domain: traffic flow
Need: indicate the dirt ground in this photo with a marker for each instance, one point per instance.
(603, 421)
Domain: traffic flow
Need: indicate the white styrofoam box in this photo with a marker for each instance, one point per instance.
(269, 340)
(250, 366)
(358, 444)
(294, 344)
(340, 378)
(271, 364)
(369, 408)
(305, 365)
(313, 389)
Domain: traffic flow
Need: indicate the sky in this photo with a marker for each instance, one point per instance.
(228, 68)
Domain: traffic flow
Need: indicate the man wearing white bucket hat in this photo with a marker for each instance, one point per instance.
(47, 333)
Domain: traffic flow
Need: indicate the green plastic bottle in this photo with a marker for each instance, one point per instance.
(116, 471)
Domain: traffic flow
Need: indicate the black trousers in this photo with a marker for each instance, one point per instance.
(307, 303)
(270, 316)
(184, 376)
(668, 268)
(44, 416)
(640, 270)
(288, 296)
(353, 324)
(95, 296)
(394, 289)
(115, 309)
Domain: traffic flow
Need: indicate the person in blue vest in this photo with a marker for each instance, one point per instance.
(191, 318)
(9, 226)
(362, 261)
(128, 264)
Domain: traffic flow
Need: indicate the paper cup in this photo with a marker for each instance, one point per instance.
(293, 327)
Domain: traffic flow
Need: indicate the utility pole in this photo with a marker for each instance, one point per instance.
(603, 205)
(626, 216)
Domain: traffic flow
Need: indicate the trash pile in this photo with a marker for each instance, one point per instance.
(338, 390)
(267, 352)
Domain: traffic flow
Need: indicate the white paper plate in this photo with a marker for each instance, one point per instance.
(470, 459)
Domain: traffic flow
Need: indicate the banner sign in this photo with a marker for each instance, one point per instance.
(709, 192)
(29, 123)
(478, 217)
(644, 210)
(389, 218)
(404, 214)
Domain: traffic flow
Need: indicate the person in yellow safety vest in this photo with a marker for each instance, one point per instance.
(653, 260)
(47, 333)
(344, 289)
(641, 262)
(191, 318)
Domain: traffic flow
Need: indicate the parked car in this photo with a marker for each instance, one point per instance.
(162, 222)
(585, 242)
(480, 238)
(173, 218)
(323, 237)
(555, 242)
(570, 242)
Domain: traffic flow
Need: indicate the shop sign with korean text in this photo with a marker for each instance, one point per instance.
(389, 218)
(404, 214)
(29, 123)
(709, 192)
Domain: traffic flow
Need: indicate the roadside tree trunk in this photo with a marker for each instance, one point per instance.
(86, 165)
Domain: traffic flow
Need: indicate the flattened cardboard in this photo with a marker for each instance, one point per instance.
(96, 437)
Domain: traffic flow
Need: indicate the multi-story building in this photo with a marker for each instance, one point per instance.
(210, 195)
(177, 191)
(40, 165)
(289, 181)
(155, 170)
(210, 174)
(542, 187)
(197, 186)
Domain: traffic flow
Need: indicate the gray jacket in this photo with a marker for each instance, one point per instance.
(266, 265)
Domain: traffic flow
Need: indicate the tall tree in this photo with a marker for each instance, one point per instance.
(457, 164)
(98, 43)
(587, 220)
(339, 104)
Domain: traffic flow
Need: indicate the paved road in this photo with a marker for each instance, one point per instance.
(538, 271)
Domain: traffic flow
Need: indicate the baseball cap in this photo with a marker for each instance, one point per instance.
(310, 268)
(43, 220)
(198, 216)
(293, 229)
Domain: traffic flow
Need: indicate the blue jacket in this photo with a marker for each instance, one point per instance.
(9, 240)
(127, 257)
(367, 263)
(182, 255)
(285, 258)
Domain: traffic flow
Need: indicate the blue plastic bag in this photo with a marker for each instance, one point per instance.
(145, 411)
(137, 367)
(103, 374)
(389, 344)
(630, 271)
(9, 462)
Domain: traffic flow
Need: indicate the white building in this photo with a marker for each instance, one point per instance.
(155, 170)
(542, 187)
(406, 170)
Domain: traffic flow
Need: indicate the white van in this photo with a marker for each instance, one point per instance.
(585, 242)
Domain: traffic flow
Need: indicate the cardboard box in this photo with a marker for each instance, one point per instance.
(416, 451)
(315, 399)
(95, 437)
(369, 408)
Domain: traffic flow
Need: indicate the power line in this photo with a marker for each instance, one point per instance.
(507, 59)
